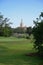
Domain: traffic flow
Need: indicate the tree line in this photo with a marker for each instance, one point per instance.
(6, 30)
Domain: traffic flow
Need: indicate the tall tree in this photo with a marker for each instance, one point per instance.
(38, 35)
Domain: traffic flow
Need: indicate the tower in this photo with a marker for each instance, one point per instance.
(21, 24)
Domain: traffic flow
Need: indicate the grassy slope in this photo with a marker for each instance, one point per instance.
(13, 50)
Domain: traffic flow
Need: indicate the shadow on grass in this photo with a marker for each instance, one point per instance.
(35, 58)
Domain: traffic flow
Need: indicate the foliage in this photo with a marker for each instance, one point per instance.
(5, 29)
(29, 30)
(19, 30)
(38, 35)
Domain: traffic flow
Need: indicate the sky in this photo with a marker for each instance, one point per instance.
(27, 10)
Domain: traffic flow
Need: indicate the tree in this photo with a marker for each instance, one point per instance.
(38, 35)
(19, 30)
(29, 30)
(5, 29)
(41, 15)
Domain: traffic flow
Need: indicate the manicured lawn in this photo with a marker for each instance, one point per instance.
(13, 50)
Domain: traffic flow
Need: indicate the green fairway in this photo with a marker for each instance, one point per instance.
(13, 50)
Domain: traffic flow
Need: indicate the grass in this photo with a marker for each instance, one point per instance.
(13, 50)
